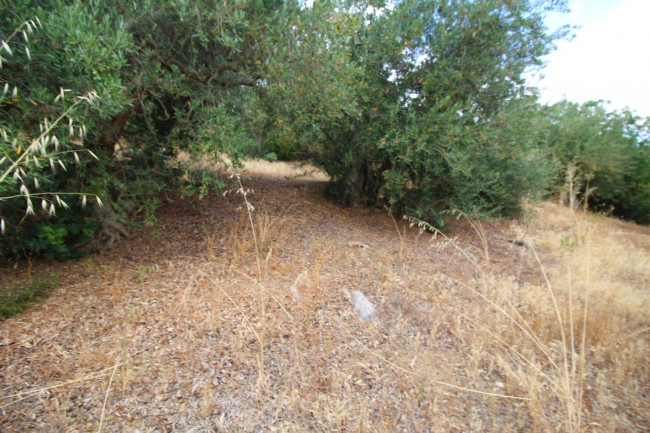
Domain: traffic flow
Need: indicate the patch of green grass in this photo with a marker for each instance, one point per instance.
(16, 299)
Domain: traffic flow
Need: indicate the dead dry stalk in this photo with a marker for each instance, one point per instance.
(108, 390)
(569, 384)
(263, 292)
(34, 392)
(423, 225)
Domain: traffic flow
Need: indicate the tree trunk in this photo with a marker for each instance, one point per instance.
(112, 130)
(355, 181)
(362, 185)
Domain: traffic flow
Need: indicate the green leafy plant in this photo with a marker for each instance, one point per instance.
(17, 299)
(440, 103)
(605, 158)
(34, 163)
(23, 159)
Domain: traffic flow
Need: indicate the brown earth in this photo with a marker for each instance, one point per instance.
(187, 326)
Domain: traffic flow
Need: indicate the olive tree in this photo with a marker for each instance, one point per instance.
(436, 79)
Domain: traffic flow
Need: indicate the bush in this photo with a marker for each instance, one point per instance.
(606, 156)
(440, 104)
(65, 79)
(58, 237)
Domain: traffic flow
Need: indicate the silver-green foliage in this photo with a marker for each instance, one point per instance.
(59, 80)
(441, 108)
(28, 156)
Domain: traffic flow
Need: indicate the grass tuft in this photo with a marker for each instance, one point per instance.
(17, 299)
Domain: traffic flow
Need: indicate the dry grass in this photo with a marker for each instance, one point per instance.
(284, 170)
(205, 328)
(260, 168)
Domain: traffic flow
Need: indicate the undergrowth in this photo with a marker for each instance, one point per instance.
(18, 298)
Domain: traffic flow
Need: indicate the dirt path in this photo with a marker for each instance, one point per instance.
(184, 327)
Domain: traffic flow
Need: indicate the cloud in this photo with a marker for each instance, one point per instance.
(577, 7)
(608, 59)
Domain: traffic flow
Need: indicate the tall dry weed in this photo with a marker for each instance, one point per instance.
(574, 339)
(594, 299)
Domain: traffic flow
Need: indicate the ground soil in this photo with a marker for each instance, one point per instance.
(188, 326)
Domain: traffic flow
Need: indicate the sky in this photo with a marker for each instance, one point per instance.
(608, 59)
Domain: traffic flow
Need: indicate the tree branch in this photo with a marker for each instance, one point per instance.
(206, 77)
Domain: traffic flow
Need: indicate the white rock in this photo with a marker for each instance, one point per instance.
(294, 287)
(362, 306)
